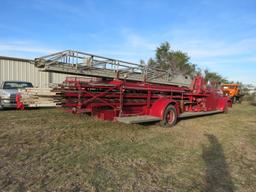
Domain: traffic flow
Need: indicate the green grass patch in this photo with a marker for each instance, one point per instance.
(51, 150)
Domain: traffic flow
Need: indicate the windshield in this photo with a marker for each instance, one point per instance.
(17, 85)
(229, 87)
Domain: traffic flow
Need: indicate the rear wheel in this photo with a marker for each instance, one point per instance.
(170, 117)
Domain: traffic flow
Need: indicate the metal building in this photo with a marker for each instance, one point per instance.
(24, 70)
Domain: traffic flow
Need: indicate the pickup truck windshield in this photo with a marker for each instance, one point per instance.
(16, 85)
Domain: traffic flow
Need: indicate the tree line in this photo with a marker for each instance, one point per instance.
(179, 62)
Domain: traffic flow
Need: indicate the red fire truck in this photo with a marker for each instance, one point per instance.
(131, 93)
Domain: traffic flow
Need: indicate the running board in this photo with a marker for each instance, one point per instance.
(194, 114)
(138, 119)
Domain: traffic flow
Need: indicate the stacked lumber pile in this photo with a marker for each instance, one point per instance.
(39, 97)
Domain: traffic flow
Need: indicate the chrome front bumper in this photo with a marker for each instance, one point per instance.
(8, 103)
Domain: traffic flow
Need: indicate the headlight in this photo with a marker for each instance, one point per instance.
(5, 97)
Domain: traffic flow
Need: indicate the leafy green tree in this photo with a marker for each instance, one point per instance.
(214, 77)
(179, 62)
(174, 61)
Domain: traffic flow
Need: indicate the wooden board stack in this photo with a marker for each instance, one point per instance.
(40, 97)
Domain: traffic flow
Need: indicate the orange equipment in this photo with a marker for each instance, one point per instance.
(233, 91)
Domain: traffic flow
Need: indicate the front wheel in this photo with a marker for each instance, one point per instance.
(170, 117)
(234, 100)
(1, 106)
(239, 100)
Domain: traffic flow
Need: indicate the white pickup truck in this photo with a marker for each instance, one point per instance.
(8, 92)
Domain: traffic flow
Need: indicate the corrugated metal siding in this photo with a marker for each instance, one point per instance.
(24, 70)
(58, 77)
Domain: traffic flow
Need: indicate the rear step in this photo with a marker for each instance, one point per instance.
(193, 114)
(137, 119)
(148, 118)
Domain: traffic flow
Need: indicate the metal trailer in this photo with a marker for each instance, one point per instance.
(131, 93)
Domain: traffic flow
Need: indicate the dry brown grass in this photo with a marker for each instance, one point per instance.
(50, 150)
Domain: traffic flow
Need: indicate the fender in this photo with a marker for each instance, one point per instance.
(224, 102)
(160, 105)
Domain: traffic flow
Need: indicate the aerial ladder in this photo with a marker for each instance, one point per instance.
(85, 64)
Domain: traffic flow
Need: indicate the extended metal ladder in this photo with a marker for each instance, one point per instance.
(85, 64)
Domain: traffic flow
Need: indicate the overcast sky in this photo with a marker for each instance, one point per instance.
(219, 35)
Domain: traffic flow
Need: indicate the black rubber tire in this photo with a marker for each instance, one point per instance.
(234, 100)
(165, 122)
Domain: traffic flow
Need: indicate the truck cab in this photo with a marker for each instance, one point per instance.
(8, 92)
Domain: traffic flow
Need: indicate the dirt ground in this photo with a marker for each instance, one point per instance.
(51, 150)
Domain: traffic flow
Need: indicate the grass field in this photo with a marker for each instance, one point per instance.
(50, 150)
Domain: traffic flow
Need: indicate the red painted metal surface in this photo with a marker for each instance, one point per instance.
(19, 104)
(108, 99)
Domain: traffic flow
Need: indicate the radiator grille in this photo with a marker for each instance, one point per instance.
(13, 98)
